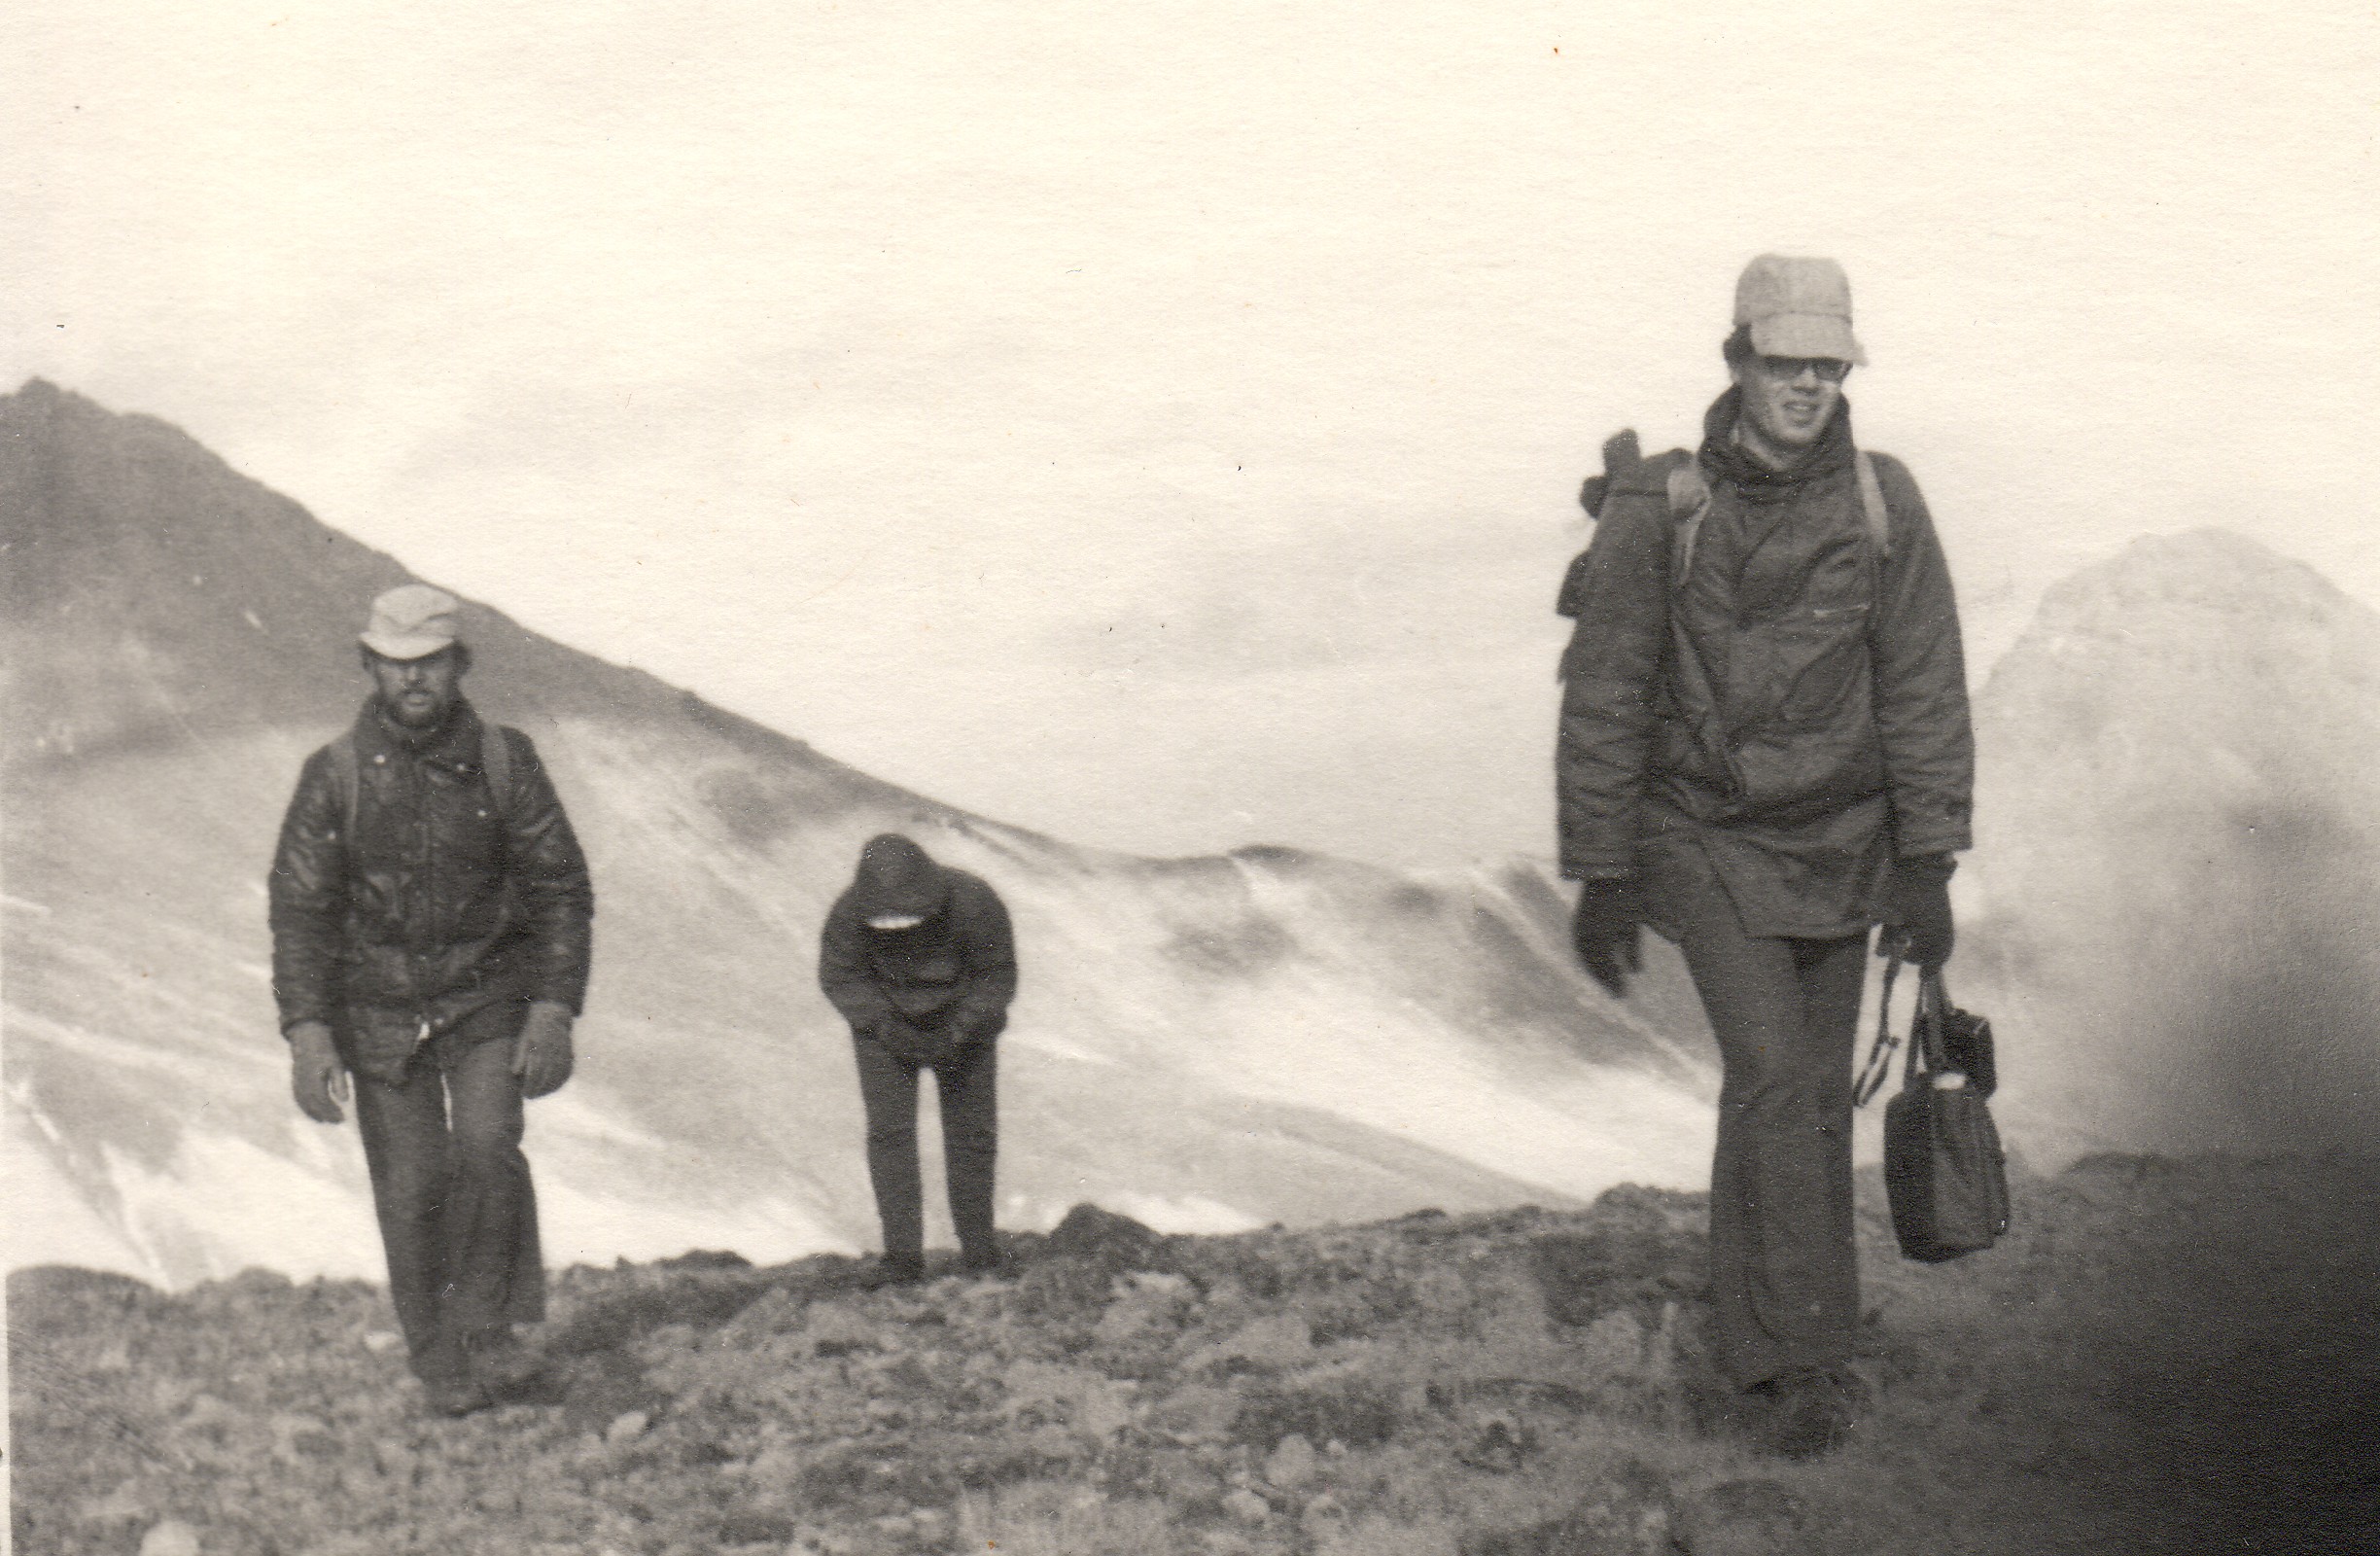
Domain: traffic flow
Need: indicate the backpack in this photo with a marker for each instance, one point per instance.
(347, 771)
(1689, 499)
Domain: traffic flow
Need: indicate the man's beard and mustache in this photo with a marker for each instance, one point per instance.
(417, 709)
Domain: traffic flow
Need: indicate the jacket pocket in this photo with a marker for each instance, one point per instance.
(1817, 671)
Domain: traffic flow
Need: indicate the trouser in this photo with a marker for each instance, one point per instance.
(1784, 1274)
(966, 1083)
(457, 1212)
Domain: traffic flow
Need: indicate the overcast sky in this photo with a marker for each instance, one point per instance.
(1161, 424)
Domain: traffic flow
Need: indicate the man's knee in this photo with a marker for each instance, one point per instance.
(411, 1190)
(480, 1148)
(1760, 1064)
(1784, 1081)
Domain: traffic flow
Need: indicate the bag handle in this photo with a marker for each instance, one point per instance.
(1926, 1027)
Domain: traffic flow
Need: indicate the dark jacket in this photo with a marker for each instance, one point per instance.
(954, 973)
(1795, 708)
(442, 901)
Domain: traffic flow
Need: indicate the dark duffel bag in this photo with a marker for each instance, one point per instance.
(1945, 1173)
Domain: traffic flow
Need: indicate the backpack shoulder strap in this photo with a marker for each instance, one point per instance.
(1689, 499)
(1871, 503)
(496, 761)
(346, 771)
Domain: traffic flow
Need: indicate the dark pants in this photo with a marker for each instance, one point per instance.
(1784, 1273)
(458, 1215)
(966, 1081)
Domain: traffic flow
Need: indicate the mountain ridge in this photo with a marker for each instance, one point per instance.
(1208, 1043)
(2168, 917)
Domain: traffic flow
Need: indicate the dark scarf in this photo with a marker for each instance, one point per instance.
(1723, 458)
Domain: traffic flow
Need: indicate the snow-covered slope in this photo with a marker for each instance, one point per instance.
(1207, 1044)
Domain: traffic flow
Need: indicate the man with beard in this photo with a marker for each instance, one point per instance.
(919, 957)
(430, 916)
(1764, 751)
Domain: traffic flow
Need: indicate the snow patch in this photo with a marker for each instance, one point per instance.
(49, 1220)
(577, 1227)
(223, 1205)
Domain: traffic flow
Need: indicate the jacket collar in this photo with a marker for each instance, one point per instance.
(1723, 458)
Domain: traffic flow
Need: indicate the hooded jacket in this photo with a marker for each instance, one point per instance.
(955, 973)
(440, 904)
(1793, 707)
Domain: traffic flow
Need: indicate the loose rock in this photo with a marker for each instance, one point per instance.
(1103, 1236)
(1500, 1443)
(1746, 1518)
(1247, 1506)
(1322, 1510)
(172, 1537)
(1292, 1465)
(123, 1505)
(1276, 1340)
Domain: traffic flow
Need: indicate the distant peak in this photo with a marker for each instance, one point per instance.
(2208, 547)
(38, 396)
(2196, 604)
(2204, 569)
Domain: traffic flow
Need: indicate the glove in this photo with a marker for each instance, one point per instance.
(1918, 925)
(542, 1053)
(1605, 930)
(971, 1027)
(317, 1077)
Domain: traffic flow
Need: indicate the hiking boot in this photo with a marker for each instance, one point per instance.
(899, 1269)
(455, 1396)
(501, 1365)
(984, 1261)
(1805, 1415)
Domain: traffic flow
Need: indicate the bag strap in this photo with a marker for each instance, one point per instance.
(496, 762)
(1879, 1058)
(1690, 500)
(1926, 1056)
(1871, 503)
(346, 771)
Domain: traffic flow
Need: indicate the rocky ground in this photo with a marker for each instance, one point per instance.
(2163, 1356)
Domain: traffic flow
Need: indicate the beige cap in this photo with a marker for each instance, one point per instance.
(412, 622)
(1797, 307)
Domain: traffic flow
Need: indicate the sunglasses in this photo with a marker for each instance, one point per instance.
(1830, 370)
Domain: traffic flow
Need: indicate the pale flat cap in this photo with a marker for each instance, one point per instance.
(412, 622)
(1797, 307)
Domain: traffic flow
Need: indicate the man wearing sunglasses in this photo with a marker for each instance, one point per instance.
(1765, 752)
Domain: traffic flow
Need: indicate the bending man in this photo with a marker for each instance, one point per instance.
(920, 960)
